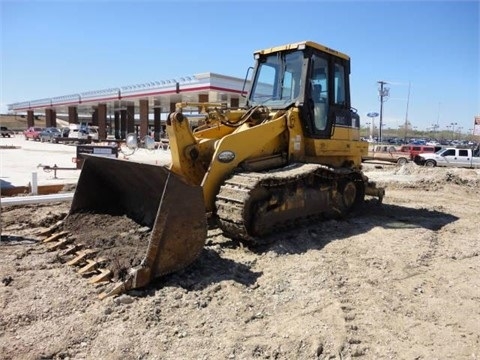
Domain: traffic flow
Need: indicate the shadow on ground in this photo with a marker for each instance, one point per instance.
(211, 268)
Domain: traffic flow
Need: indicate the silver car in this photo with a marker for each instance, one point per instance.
(49, 134)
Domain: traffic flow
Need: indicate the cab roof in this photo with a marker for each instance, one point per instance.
(301, 44)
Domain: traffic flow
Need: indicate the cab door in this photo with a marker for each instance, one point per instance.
(340, 99)
(327, 96)
(463, 159)
(318, 98)
(449, 157)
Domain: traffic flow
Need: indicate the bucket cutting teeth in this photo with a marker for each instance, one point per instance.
(59, 245)
(55, 237)
(71, 249)
(117, 288)
(89, 267)
(50, 229)
(92, 265)
(105, 275)
(81, 256)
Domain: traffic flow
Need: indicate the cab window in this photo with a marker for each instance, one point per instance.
(278, 81)
(339, 84)
(319, 91)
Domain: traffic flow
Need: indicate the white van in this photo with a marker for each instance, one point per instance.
(93, 132)
(78, 131)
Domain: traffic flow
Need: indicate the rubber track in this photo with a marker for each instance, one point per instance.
(236, 192)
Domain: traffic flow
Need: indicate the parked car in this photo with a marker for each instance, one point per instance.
(6, 132)
(451, 157)
(49, 134)
(414, 150)
(32, 133)
(65, 131)
(386, 153)
(77, 133)
(93, 133)
(83, 132)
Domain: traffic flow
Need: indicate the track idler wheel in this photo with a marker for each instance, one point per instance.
(349, 195)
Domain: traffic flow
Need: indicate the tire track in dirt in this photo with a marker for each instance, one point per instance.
(356, 342)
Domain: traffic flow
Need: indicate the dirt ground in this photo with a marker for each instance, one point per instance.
(395, 281)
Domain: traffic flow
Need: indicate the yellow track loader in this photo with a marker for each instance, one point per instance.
(291, 155)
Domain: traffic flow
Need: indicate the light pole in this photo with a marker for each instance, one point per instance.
(367, 126)
(438, 115)
(434, 129)
(406, 113)
(453, 130)
(372, 115)
(459, 130)
(384, 93)
(405, 130)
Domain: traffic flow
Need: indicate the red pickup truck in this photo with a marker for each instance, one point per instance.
(32, 133)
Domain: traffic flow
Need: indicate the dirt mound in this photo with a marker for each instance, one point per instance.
(29, 220)
(413, 176)
(118, 240)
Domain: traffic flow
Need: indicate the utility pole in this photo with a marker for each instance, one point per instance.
(406, 114)
(438, 116)
(383, 92)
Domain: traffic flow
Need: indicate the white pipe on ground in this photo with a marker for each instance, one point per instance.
(34, 183)
(35, 199)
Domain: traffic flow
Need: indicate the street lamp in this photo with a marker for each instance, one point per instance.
(453, 130)
(434, 129)
(405, 130)
(364, 131)
(372, 115)
(384, 93)
(406, 112)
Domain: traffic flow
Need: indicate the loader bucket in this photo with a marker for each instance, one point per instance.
(153, 197)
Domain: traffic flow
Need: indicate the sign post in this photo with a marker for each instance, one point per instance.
(372, 115)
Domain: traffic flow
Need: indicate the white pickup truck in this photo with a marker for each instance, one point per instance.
(451, 157)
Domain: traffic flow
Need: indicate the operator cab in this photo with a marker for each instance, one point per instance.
(310, 76)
